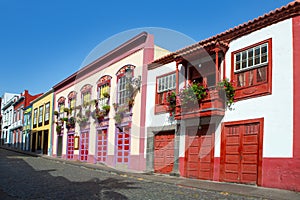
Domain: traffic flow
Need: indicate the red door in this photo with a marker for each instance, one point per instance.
(199, 153)
(101, 145)
(240, 153)
(70, 146)
(84, 146)
(164, 152)
(123, 145)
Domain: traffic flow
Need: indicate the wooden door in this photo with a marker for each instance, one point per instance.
(101, 145)
(240, 153)
(123, 146)
(70, 146)
(199, 152)
(164, 152)
(84, 146)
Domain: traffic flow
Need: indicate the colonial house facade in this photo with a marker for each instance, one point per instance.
(7, 110)
(226, 109)
(100, 110)
(18, 136)
(41, 124)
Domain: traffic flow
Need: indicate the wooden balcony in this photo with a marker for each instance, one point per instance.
(212, 105)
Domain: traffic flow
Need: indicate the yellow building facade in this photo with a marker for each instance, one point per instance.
(41, 124)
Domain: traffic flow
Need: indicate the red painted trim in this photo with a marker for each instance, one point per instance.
(148, 56)
(296, 84)
(261, 89)
(260, 146)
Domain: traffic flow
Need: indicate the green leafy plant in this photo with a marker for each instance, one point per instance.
(58, 129)
(229, 91)
(106, 94)
(70, 123)
(192, 94)
(121, 110)
(171, 99)
(106, 108)
(66, 110)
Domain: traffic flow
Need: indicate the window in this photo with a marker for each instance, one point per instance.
(252, 70)
(86, 91)
(61, 107)
(47, 113)
(72, 102)
(103, 90)
(35, 117)
(41, 108)
(21, 114)
(123, 93)
(86, 97)
(164, 84)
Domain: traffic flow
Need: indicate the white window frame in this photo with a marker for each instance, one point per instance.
(41, 109)
(247, 59)
(47, 111)
(166, 83)
(104, 100)
(122, 92)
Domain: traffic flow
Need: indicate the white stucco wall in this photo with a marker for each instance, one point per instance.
(277, 108)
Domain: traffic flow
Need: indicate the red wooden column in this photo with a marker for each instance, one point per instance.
(217, 64)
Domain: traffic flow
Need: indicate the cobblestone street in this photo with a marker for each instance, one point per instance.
(26, 177)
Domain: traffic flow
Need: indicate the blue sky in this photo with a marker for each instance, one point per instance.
(43, 42)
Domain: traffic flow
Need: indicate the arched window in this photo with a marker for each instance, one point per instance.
(86, 92)
(103, 89)
(72, 102)
(61, 106)
(122, 81)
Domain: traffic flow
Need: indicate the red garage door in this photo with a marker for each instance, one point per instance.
(164, 152)
(199, 153)
(240, 152)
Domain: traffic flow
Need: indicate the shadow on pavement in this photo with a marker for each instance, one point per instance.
(19, 180)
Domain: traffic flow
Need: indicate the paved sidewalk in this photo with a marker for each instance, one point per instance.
(224, 188)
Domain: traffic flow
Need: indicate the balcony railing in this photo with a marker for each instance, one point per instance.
(212, 105)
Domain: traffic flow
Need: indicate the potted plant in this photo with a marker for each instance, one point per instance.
(118, 118)
(70, 123)
(66, 110)
(106, 108)
(106, 94)
(192, 94)
(87, 112)
(58, 129)
(115, 105)
(56, 113)
(227, 86)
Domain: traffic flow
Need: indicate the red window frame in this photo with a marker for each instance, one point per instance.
(161, 98)
(257, 88)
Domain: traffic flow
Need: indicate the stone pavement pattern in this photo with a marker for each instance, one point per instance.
(26, 177)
